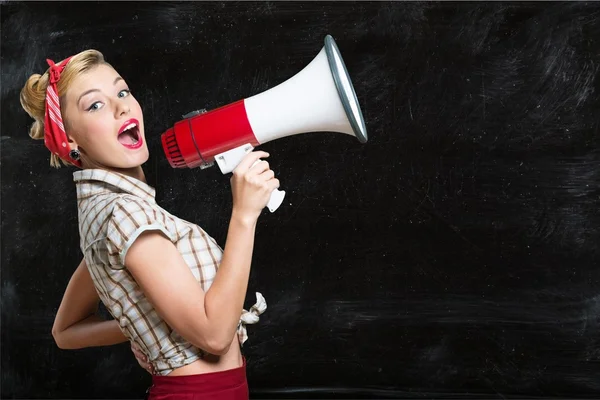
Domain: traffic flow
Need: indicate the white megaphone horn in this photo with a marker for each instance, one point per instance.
(320, 98)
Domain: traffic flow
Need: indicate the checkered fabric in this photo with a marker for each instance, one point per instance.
(114, 209)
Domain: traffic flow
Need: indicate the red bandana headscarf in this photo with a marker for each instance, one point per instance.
(55, 137)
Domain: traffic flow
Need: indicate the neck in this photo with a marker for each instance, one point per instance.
(136, 172)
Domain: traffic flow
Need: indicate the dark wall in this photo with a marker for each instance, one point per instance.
(454, 254)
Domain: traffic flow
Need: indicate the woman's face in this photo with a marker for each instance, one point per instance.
(105, 122)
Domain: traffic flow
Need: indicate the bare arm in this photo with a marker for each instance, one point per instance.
(207, 320)
(76, 324)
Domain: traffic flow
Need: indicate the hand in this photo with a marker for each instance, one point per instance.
(141, 358)
(252, 184)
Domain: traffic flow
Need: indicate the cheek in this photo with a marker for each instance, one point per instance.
(98, 131)
(75, 130)
(138, 108)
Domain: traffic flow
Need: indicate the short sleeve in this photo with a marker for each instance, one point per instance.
(129, 219)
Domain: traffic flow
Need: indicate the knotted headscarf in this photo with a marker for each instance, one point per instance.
(55, 137)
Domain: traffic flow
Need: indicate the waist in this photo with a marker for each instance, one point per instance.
(174, 356)
(211, 383)
(210, 363)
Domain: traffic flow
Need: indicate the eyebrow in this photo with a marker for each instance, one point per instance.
(117, 79)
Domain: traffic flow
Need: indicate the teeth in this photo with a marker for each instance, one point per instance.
(131, 125)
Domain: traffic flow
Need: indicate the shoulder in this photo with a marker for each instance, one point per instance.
(94, 212)
(130, 217)
(132, 209)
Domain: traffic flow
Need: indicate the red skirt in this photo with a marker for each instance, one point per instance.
(224, 385)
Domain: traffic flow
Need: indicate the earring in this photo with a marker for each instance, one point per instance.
(75, 154)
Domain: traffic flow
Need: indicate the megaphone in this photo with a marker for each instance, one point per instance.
(320, 98)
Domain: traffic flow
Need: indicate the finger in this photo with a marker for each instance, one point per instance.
(260, 166)
(138, 354)
(273, 184)
(142, 359)
(267, 175)
(250, 159)
(148, 367)
(137, 351)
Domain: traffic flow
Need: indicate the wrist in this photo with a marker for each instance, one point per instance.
(243, 219)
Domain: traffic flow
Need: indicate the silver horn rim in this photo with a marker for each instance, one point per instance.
(345, 89)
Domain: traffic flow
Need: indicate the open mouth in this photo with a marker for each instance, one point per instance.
(129, 134)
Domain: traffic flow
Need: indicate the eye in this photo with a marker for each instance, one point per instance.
(124, 93)
(95, 106)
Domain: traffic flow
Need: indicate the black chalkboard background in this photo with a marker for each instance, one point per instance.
(456, 254)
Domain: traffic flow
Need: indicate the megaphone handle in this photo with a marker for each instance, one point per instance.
(230, 159)
(275, 200)
(276, 196)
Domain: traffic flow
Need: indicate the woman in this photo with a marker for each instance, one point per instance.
(170, 288)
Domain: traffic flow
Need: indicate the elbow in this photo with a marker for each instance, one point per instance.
(58, 339)
(215, 340)
(218, 346)
(219, 350)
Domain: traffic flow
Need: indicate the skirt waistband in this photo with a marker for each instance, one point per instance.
(204, 383)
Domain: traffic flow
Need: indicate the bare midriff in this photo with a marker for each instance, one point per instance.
(213, 363)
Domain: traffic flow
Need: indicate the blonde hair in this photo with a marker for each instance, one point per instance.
(33, 94)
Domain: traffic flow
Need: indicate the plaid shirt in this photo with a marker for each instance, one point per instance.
(114, 209)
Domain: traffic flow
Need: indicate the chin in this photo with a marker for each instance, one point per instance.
(120, 159)
(139, 158)
(137, 163)
(129, 163)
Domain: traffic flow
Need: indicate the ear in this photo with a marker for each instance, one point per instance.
(73, 145)
(71, 136)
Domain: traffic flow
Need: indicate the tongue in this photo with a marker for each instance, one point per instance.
(127, 137)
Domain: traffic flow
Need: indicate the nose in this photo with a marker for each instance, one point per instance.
(122, 108)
